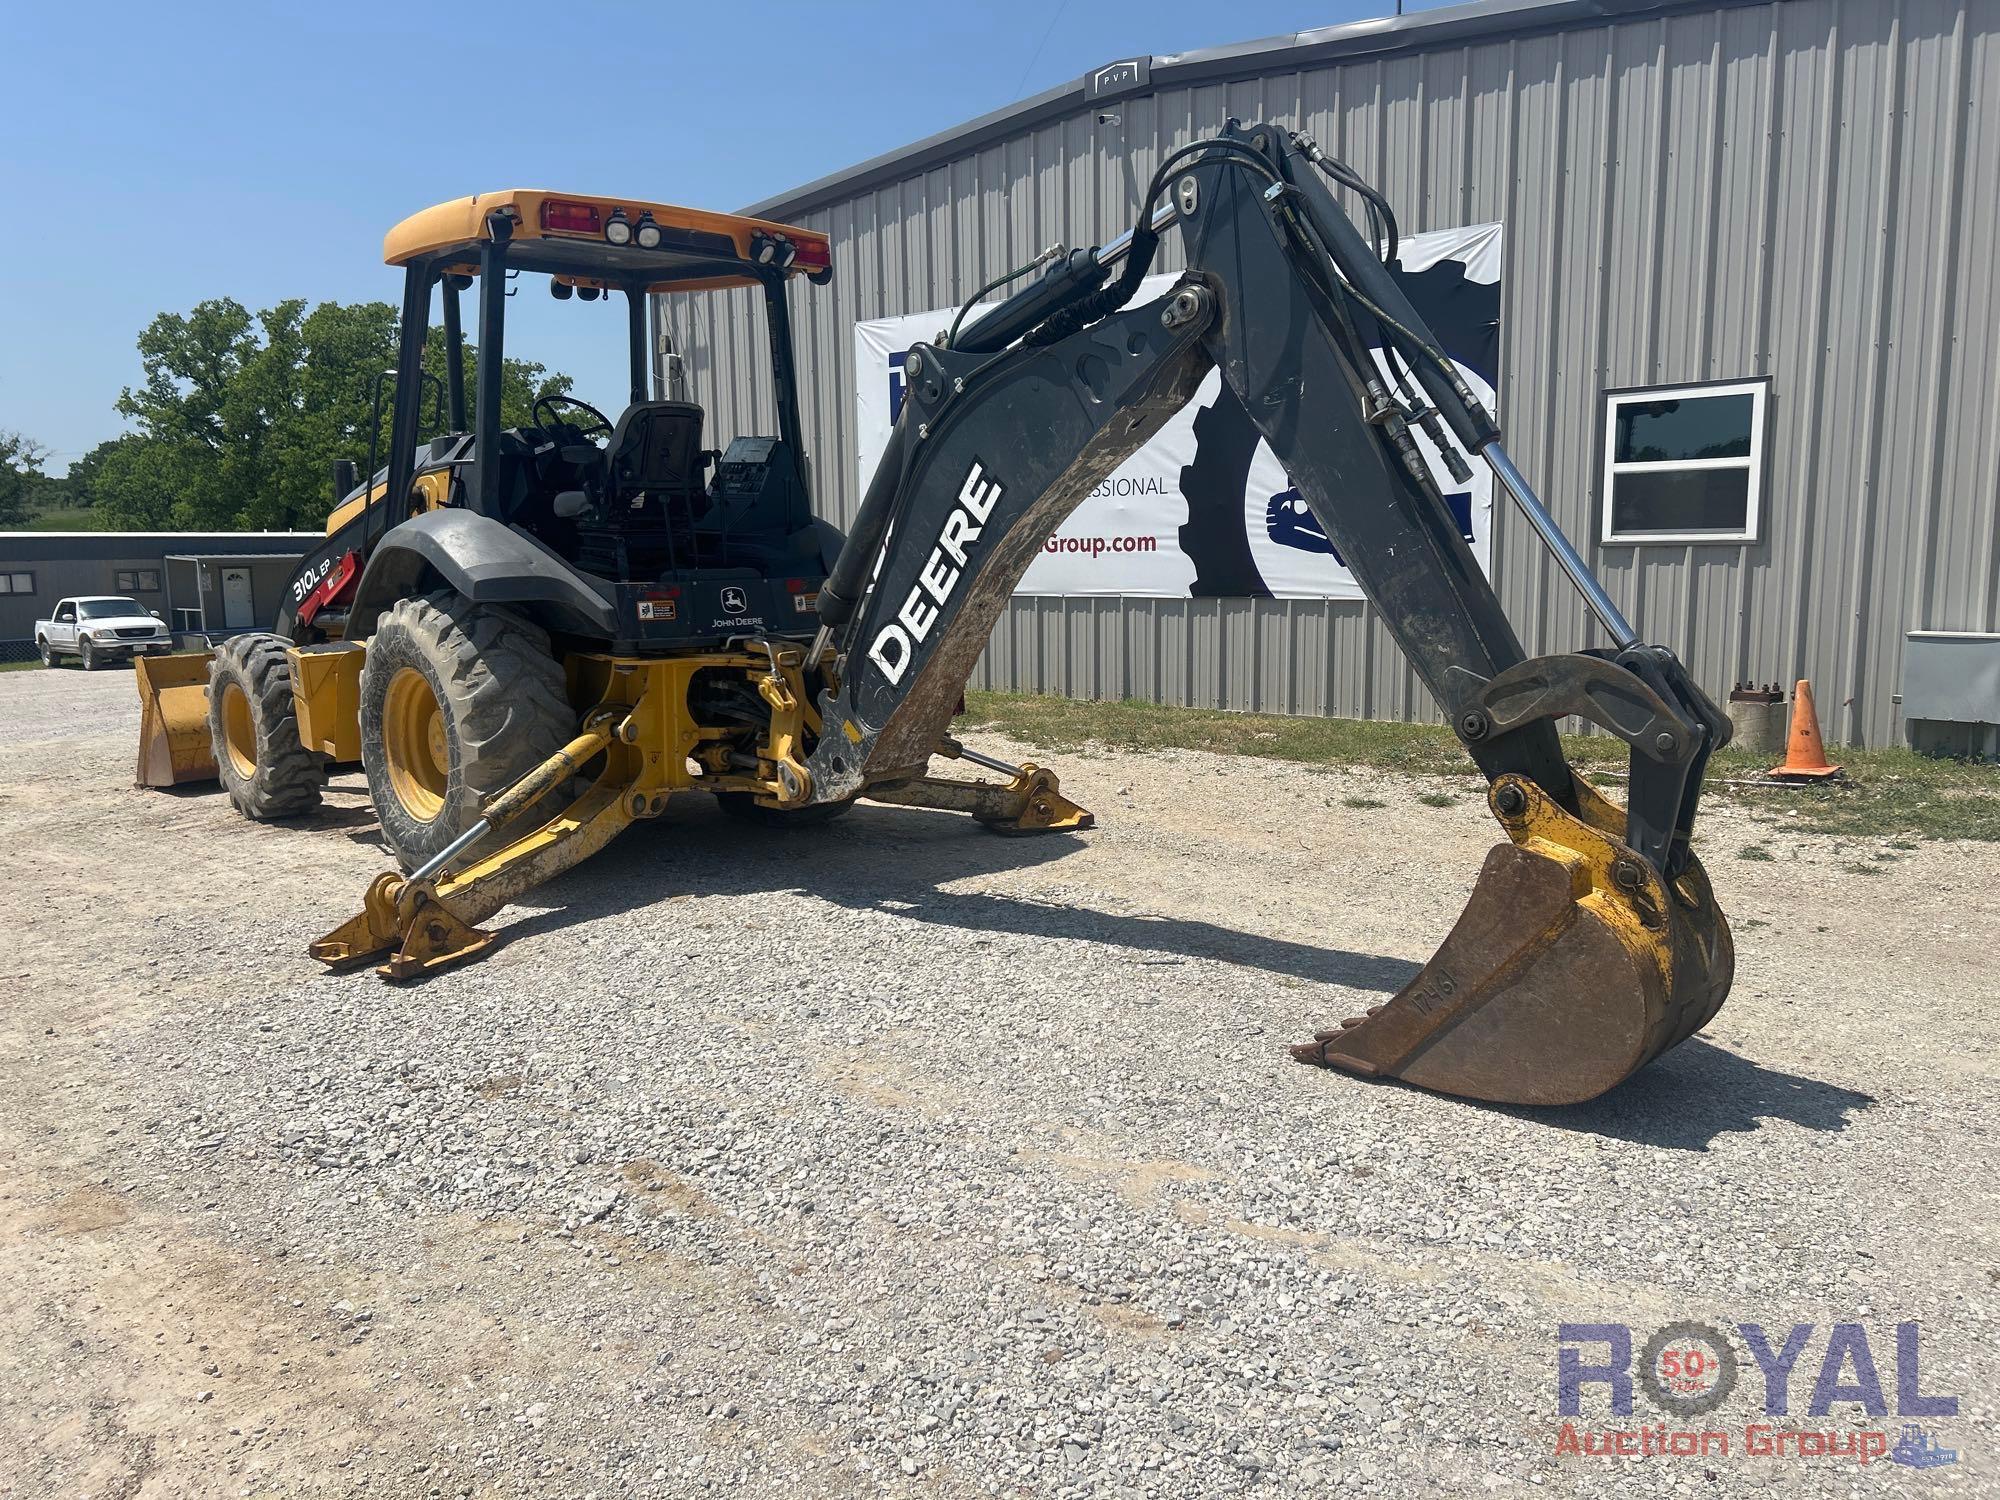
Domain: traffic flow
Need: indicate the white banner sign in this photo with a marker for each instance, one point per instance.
(1204, 509)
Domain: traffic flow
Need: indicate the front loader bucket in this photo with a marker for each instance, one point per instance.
(174, 743)
(1573, 966)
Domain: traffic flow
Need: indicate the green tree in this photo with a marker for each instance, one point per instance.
(21, 476)
(238, 419)
(86, 472)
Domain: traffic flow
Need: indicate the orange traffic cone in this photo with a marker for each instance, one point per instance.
(1805, 756)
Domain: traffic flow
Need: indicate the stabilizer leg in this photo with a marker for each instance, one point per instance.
(427, 921)
(1029, 801)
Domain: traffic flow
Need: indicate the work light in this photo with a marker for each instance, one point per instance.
(618, 230)
(648, 233)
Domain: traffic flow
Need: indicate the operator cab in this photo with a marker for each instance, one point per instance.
(689, 538)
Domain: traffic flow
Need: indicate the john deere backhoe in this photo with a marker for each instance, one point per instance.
(531, 637)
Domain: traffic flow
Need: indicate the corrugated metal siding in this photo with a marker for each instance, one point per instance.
(1808, 190)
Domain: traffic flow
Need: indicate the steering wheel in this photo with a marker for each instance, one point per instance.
(599, 423)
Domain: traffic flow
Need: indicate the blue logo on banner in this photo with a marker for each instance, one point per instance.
(1291, 523)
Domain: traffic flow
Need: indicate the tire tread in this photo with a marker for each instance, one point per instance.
(288, 777)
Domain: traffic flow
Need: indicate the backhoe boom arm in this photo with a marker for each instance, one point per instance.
(1045, 394)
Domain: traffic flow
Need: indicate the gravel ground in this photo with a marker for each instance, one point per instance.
(896, 1158)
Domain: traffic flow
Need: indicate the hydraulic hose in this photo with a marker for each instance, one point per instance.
(1107, 299)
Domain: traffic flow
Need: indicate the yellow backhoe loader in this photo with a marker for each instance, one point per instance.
(530, 637)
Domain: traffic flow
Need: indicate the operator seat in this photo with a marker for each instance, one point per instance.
(656, 449)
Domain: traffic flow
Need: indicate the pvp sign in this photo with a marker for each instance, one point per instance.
(1204, 509)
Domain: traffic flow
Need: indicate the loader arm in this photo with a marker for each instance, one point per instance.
(1591, 942)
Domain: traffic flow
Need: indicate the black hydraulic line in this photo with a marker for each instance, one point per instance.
(1378, 204)
(1106, 300)
(1426, 416)
(1239, 153)
(951, 336)
(1375, 289)
(1327, 293)
(1072, 280)
(1145, 240)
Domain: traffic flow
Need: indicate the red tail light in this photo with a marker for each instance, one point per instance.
(814, 255)
(559, 216)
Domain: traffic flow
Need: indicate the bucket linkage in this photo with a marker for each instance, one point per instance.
(1579, 957)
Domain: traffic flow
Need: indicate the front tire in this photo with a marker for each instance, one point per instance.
(458, 702)
(89, 654)
(254, 728)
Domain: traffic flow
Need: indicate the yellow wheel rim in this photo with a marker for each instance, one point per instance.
(415, 745)
(239, 733)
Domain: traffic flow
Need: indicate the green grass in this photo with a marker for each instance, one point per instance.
(1889, 793)
(1756, 854)
(1437, 799)
(82, 519)
(19, 666)
(1363, 802)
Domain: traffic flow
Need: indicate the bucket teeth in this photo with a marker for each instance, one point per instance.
(1568, 971)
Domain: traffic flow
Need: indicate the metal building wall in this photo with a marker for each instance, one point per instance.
(1808, 189)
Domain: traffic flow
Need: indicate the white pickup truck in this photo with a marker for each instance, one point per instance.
(100, 628)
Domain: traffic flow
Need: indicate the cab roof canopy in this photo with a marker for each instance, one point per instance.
(610, 242)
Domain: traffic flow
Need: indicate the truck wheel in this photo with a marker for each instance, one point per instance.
(89, 654)
(458, 702)
(254, 728)
(42, 649)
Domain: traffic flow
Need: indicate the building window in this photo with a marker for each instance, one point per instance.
(139, 580)
(1684, 463)
(17, 583)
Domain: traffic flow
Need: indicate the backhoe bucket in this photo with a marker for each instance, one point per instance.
(174, 743)
(1573, 966)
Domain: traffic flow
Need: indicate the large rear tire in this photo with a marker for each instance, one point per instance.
(458, 702)
(254, 729)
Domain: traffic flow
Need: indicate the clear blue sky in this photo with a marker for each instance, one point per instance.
(159, 154)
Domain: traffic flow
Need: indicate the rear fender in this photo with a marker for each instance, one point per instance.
(486, 562)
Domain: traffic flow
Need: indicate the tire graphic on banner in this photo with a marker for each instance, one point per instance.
(1225, 440)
